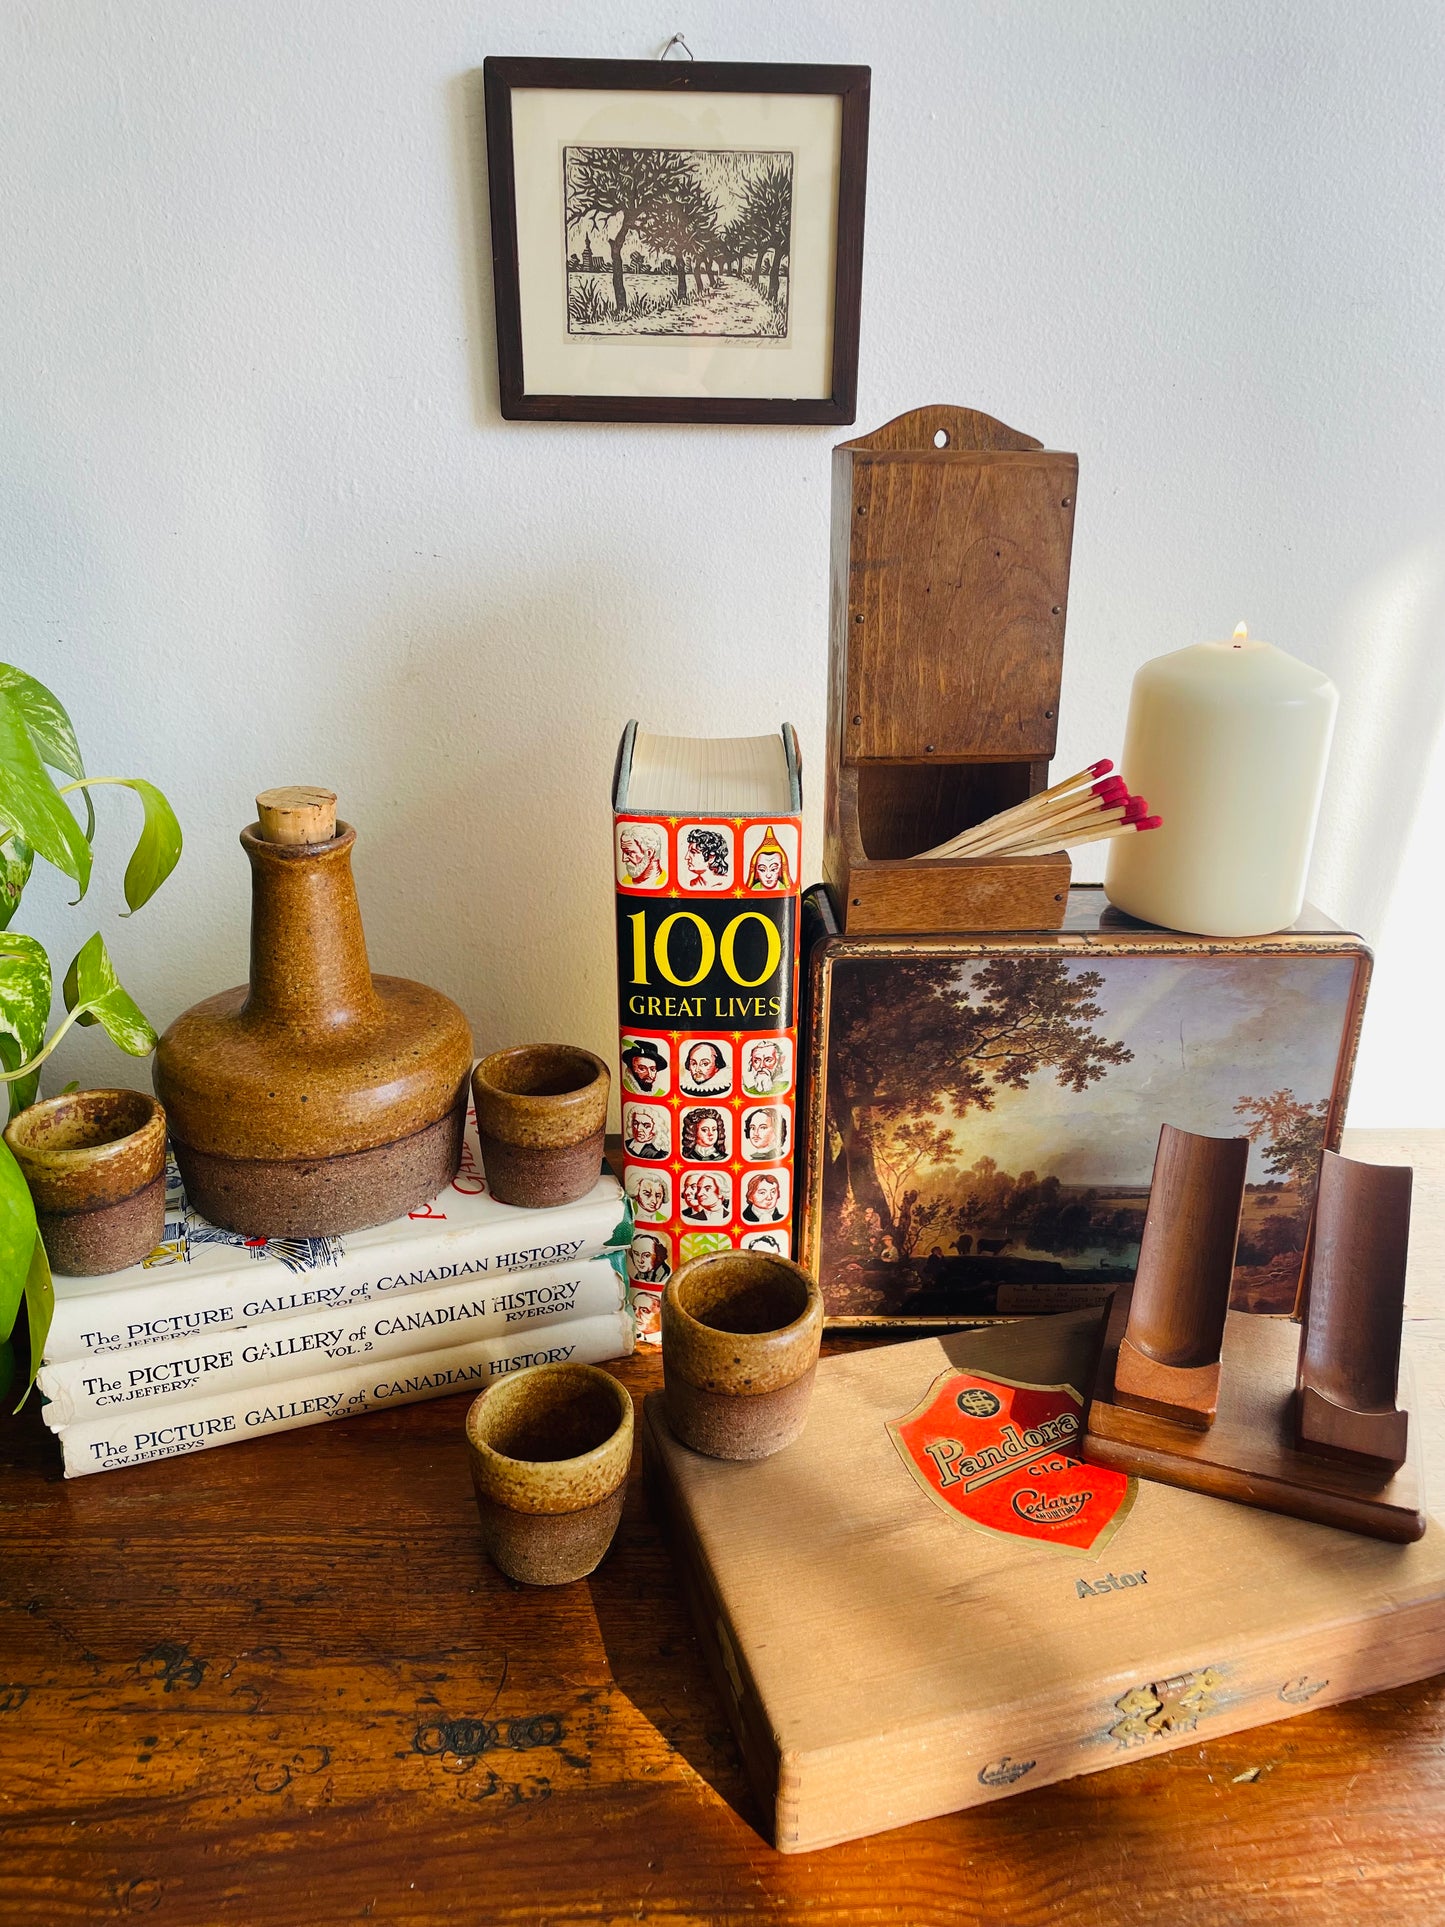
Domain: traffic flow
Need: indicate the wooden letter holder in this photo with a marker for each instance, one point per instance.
(1247, 1407)
(950, 578)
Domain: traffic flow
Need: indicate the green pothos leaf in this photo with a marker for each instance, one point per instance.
(94, 992)
(39, 1310)
(18, 1238)
(45, 718)
(30, 802)
(25, 993)
(50, 728)
(17, 860)
(23, 1090)
(159, 848)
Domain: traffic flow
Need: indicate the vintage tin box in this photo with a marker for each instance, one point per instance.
(980, 1112)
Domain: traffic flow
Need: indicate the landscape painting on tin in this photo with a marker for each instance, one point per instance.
(678, 241)
(991, 1127)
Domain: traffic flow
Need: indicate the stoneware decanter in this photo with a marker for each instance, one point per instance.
(317, 1099)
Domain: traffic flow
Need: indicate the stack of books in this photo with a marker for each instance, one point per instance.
(216, 1337)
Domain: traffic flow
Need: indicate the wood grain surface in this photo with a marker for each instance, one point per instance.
(278, 1683)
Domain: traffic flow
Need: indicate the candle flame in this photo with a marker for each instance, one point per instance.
(1241, 635)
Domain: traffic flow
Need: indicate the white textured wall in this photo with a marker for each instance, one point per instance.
(260, 521)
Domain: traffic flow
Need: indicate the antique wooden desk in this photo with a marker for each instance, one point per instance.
(279, 1683)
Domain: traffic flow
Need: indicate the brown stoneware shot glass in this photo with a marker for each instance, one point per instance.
(95, 1162)
(541, 1115)
(740, 1338)
(549, 1449)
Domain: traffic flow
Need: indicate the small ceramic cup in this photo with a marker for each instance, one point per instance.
(740, 1338)
(541, 1116)
(95, 1162)
(549, 1449)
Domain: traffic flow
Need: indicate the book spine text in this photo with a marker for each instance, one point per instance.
(135, 1439)
(177, 1370)
(204, 1306)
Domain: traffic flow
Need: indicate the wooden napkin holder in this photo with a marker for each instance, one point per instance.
(951, 541)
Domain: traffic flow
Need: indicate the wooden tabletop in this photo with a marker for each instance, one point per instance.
(279, 1683)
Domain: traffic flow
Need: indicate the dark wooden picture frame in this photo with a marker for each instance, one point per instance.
(503, 76)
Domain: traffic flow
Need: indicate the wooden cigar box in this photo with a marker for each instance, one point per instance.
(883, 1658)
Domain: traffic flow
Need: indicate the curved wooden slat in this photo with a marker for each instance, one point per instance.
(1169, 1357)
(1350, 1348)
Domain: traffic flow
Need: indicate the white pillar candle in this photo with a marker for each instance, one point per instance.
(1228, 742)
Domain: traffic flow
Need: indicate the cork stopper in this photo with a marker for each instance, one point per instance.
(298, 813)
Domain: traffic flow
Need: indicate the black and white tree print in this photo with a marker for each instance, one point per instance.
(678, 241)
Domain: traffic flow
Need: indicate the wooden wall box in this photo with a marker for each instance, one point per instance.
(950, 579)
(882, 1660)
(1015, 1084)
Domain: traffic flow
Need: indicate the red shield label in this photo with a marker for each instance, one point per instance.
(1005, 1458)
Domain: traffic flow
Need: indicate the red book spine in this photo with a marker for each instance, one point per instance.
(707, 969)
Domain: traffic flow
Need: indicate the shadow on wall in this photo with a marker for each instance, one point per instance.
(467, 118)
(1386, 657)
(484, 859)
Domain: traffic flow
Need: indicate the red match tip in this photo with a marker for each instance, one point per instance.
(1112, 790)
(1134, 809)
(1101, 768)
(1149, 823)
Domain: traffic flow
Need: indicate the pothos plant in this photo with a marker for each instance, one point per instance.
(38, 819)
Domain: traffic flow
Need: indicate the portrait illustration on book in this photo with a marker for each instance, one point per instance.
(705, 1197)
(704, 1134)
(646, 1065)
(705, 858)
(646, 1131)
(768, 1066)
(765, 1135)
(765, 1197)
(707, 1067)
(646, 1306)
(650, 1192)
(777, 1242)
(649, 1259)
(641, 855)
(770, 857)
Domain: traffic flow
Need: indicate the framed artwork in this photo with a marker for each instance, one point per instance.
(676, 241)
(981, 1113)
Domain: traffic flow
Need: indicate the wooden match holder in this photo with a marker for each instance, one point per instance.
(1305, 1423)
(950, 577)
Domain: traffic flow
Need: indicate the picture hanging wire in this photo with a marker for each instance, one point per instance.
(677, 41)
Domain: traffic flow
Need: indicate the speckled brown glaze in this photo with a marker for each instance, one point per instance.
(541, 1116)
(318, 1098)
(95, 1164)
(549, 1449)
(740, 1337)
